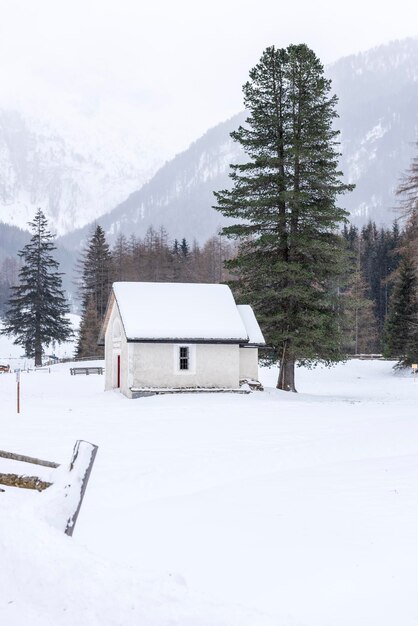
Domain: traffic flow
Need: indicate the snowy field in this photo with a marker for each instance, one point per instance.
(260, 510)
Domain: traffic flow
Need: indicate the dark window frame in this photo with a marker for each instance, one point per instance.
(184, 358)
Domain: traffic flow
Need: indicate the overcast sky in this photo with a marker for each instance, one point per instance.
(171, 68)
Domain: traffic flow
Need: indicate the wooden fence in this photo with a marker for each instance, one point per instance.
(74, 487)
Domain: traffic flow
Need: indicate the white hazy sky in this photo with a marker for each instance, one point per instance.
(169, 69)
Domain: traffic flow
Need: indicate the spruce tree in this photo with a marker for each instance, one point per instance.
(120, 259)
(89, 332)
(401, 329)
(184, 247)
(360, 328)
(283, 201)
(96, 271)
(401, 337)
(36, 310)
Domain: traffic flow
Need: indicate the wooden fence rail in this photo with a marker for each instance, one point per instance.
(27, 459)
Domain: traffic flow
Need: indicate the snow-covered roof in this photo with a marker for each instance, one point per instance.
(179, 311)
(255, 336)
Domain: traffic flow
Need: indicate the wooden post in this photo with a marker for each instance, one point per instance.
(80, 469)
(18, 391)
(74, 488)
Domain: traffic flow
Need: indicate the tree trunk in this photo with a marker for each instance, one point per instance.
(286, 380)
(38, 356)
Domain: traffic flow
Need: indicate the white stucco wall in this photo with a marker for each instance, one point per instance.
(211, 365)
(157, 364)
(248, 363)
(116, 344)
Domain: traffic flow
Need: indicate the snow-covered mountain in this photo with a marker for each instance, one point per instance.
(72, 170)
(378, 97)
(180, 195)
(78, 168)
(378, 108)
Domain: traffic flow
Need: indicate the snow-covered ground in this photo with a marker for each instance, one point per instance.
(267, 509)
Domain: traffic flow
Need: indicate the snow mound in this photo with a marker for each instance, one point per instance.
(50, 580)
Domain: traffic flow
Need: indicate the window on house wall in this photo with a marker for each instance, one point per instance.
(184, 357)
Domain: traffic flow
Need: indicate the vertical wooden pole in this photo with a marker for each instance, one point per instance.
(18, 391)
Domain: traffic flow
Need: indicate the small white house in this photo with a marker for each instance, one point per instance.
(174, 336)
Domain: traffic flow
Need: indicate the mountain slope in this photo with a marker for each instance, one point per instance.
(378, 107)
(74, 174)
(378, 95)
(12, 239)
(180, 195)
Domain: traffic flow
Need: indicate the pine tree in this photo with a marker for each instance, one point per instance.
(360, 336)
(135, 263)
(359, 322)
(36, 310)
(96, 271)
(89, 331)
(401, 337)
(401, 329)
(184, 247)
(351, 236)
(120, 259)
(176, 248)
(388, 259)
(284, 201)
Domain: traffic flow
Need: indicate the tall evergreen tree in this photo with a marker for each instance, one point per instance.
(401, 339)
(184, 247)
(89, 331)
(401, 329)
(284, 201)
(351, 236)
(360, 336)
(120, 259)
(36, 310)
(359, 320)
(96, 271)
